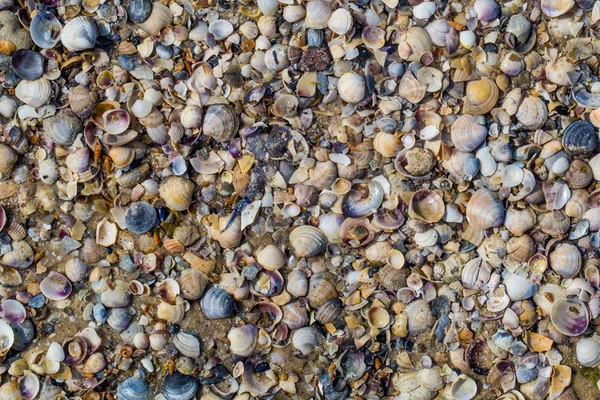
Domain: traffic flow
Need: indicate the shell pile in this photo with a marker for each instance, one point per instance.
(290, 199)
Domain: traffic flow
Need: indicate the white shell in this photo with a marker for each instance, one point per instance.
(588, 351)
(79, 34)
(34, 93)
(341, 21)
(317, 14)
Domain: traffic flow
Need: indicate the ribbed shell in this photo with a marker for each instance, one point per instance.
(34, 93)
(318, 14)
(220, 123)
(308, 241)
(588, 352)
(340, 21)
(159, 18)
(321, 289)
(177, 192)
(329, 311)
(419, 316)
(481, 96)
(62, 128)
(243, 340)
(179, 387)
(79, 34)
(467, 133)
(217, 303)
(140, 217)
(133, 389)
(484, 211)
(565, 260)
(532, 113)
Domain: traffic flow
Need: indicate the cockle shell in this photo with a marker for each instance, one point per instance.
(243, 340)
(467, 133)
(79, 34)
(318, 14)
(62, 128)
(306, 340)
(340, 22)
(556, 8)
(588, 351)
(565, 260)
(34, 93)
(177, 192)
(21, 255)
(532, 113)
(159, 18)
(220, 123)
(480, 96)
(570, 316)
(308, 241)
(484, 211)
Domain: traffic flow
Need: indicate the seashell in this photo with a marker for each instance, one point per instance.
(512, 64)
(340, 22)
(565, 260)
(271, 257)
(177, 192)
(318, 14)
(362, 200)
(178, 386)
(79, 33)
(487, 10)
(323, 174)
(532, 113)
(580, 139)
(7, 338)
(427, 206)
(307, 241)
(9, 158)
(79, 161)
(168, 290)
(329, 311)
(217, 304)
(220, 123)
(276, 58)
(116, 121)
(475, 273)
(416, 43)
(463, 388)
(106, 233)
(467, 133)
(519, 288)
(94, 363)
(424, 10)
(305, 339)
(387, 144)
(192, 283)
(45, 29)
(442, 34)
(293, 13)
(62, 128)
(220, 29)
(243, 340)
(351, 85)
(75, 350)
(411, 89)
(257, 384)
(10, 391)
(556, 8)
(21, 255)
(579, 175)
(34, 93)
(48, 171)
(134, 388)
(419, 316)
(172, 313)
(480, 97)
(154, 120)
(297, 283)
(321, 289)
(12, 311)
(378, 318)
(158, 339)
(588, 351)
(373, 37)
(356, 232)
(118, 296)
(28, 64)
(295, 315)
(140, 217)
(29, 385)
(191, 117)
(554, 223)
(139, 11)
(159, 18)
(484, 211)
(230, 237)
(55, 352)
(519, 221)
(569, 316)
(187, 344)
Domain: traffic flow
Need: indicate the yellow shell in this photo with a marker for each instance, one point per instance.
(122, 156)
(481, 96)
(177, 192)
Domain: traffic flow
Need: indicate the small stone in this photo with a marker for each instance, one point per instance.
(164, 51)
(314, 59)
(37, 301)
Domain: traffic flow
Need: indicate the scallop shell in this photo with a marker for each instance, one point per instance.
(484, 211)
(220, 123)
(34, 93)
(308, 241)
(79, 33)
(480, 96)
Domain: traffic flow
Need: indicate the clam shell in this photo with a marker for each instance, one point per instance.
(519, 288)
(62, 128)
(79, 33)
(134, 388)
(306, 340)
(28, 64)
(297, 283)
(34, 93)
(140, 217)
(220, 123)
(556, 8)
(318, 14)
(569, 316)
(177, 192)
(484, 211)
(21, 255)
(295, 315)
(351, 87)
(532, 113)
(588, 352)
(427, 206)
(187, 344)
(419, 316)
(321, 289)
(467, 133)
(565, 260)
(362, 200)
(271, 257)
(178, 386)
(340, 22)
(192, 283)
(308, 241)
(159, 18)
(45, 29)
(480, 97)
(230, 237)
(580, 138)
(243, 340)
(217, 304)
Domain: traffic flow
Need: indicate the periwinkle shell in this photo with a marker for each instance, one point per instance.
(178, 386)
(28, 64)
(580, 138)
(133, 389)
(140, 217)
(139, 10)
(217, 303)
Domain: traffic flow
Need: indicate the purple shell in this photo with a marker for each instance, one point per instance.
(56, 286)
(13, 312)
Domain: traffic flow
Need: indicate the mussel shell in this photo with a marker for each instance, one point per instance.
(217, 303)
(139, 10)
(133, 389)
(28, 64)
(580, 138)
(178, 386)
(141, 217)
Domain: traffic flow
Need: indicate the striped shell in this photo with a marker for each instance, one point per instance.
(308, 241)
(467, 133)
(480, 97)
(484, 211)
